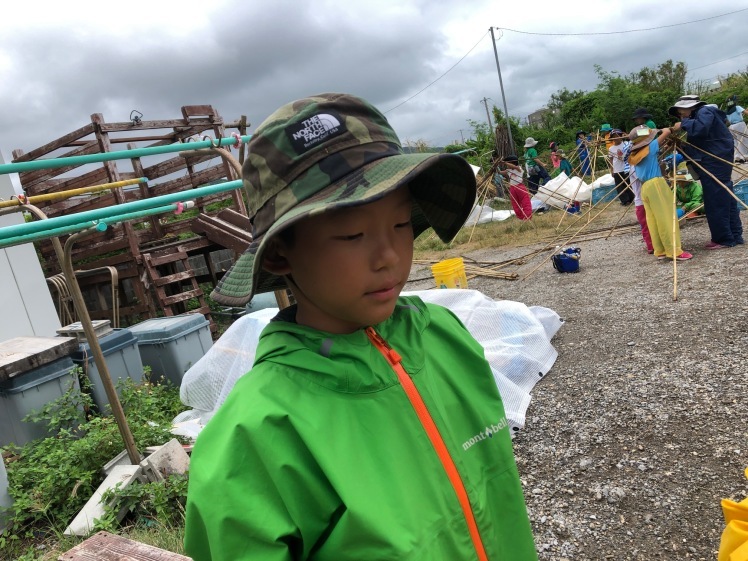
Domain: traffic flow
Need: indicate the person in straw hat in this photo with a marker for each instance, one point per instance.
(535, 168)
(655, 193)
(710, 150)
(370, 426)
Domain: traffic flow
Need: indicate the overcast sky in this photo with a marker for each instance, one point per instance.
(62, 61)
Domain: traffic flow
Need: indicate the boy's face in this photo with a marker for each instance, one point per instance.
(349, 265)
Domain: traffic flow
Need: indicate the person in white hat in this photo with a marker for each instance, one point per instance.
(710, 150)
(535, 168)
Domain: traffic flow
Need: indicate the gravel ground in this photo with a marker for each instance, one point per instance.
(641, 426)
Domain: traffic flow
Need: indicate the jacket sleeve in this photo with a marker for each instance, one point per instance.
(255, 493)
(699, 128)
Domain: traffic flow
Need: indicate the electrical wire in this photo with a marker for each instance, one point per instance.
(439, 78)
(723, 60)
(621, 32)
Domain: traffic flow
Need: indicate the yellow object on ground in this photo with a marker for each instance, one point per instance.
(734, 543)
(450, 273)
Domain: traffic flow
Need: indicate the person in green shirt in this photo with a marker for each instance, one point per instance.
(642, 117)
(536, 171)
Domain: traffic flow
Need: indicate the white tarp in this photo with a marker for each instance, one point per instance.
(483, 214)
(516, 339)
(562, 189)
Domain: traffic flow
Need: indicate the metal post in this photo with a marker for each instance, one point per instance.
(490, 125)
(503, 98)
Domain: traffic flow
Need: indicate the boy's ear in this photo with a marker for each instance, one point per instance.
(274, 261)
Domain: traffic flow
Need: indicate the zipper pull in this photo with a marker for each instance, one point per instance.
(392, 356)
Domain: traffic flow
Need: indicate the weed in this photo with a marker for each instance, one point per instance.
(51, 479)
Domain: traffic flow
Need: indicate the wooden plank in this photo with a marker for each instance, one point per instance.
(21, 354)
(237, 219)
(181, 297)
(104, 546)
(31, 178)
(162, 124)
(176, 277)
(157, 260)
(55, 144)
(189, 111)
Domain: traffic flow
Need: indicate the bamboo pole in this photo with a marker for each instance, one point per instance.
(675, 226)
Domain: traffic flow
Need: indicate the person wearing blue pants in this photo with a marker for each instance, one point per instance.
(712, 153)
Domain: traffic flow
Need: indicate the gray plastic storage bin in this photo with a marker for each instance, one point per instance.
(31, 391)
(171, 345)
(120, 349)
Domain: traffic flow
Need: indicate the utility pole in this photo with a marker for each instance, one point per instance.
(490, 125)
(503, 97)
(462, 137)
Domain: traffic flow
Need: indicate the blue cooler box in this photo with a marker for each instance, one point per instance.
(171, 345)
(120, 349)
(29, 392)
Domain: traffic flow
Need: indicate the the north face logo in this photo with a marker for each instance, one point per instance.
(313, 131)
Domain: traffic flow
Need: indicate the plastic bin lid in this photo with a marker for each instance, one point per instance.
(37, 376)
(158, 329)
(118, 339)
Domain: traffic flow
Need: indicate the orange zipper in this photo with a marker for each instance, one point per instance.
(395, 361)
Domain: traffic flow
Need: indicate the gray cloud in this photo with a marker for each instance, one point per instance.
(248, 58)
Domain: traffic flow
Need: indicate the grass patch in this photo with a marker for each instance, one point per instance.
(509, 233)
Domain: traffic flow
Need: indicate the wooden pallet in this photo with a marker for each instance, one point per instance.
(169, 273)
(104, 546)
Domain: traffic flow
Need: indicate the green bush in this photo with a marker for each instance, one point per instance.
(52, 478)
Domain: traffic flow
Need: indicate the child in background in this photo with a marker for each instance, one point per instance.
(370, 426)
(641, 213)
(689, 195)
(564, 165)
(618, 161)
(555, 160)
(519, 196)
(655, 193)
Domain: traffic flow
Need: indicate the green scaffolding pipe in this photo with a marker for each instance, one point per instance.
(51, 163)
(17, 230)
(99, 225)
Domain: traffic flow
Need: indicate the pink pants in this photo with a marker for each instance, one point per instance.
(520, 199)
(641, 216)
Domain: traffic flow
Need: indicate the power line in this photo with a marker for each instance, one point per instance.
(439, 78)
(723, 60)
(621, 32)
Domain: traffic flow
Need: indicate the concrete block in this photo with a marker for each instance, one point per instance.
(169, 459)
(84, 521)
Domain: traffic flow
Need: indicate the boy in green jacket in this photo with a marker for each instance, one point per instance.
(370, 426)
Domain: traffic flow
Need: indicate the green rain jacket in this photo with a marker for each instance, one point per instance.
(690, 196)
(319, 453)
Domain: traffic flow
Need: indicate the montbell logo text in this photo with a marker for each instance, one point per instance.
(487, 432)
(316, 127)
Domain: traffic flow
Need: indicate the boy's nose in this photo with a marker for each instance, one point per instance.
(385, 253)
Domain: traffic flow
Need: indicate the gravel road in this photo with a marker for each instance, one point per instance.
(641, 426)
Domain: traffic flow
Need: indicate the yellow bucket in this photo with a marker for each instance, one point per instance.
(450, 273)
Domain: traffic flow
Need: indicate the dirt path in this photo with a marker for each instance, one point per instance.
(641, 427)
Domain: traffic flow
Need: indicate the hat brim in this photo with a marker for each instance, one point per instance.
(674, 109)
(443, 188)
(531, 144)
(638, 143)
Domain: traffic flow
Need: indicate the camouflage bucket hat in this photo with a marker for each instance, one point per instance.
(332, 151)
